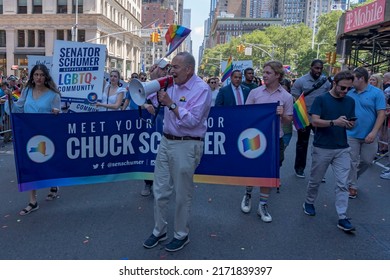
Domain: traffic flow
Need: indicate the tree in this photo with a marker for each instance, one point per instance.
(326, 34)
(289, 40)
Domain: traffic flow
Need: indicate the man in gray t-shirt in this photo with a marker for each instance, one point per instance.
(306, 83)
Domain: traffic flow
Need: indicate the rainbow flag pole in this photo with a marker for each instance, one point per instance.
(175, 35)
(228, 70)
(300, 116)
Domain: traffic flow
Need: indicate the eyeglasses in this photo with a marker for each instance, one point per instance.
(212, 82)
(343, 88)
(134, 77)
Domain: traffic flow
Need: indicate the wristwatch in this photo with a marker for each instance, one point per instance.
(331, 123)
(173, 106)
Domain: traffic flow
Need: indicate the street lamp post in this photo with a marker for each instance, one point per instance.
(74, 28)
(314, 24)
(318, 48)
(258, 46)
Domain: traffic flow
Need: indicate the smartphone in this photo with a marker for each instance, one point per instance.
(352, 119)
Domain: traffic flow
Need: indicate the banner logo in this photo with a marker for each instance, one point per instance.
(252, 143)
(40, 149)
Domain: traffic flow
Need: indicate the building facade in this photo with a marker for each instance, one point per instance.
(157, 15)
(30, 27)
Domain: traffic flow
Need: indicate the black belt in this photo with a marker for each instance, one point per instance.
(172, 137)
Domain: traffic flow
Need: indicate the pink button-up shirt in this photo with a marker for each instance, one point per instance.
(194, 101)
(261, 95)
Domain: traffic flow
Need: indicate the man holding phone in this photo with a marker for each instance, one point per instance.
(362, 138)
(332, 115)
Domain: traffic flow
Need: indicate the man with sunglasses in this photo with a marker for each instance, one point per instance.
(370, 113)
(214, 86)
(332, 114)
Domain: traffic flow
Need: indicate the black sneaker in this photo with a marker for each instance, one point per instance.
(176, 244)
(345, 225)
(152, 241)
(309, 209)
(300, 173)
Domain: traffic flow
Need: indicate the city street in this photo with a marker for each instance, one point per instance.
(111, 221)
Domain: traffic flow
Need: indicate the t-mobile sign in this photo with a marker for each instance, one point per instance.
(365, 16)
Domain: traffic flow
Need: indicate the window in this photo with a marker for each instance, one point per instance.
(1, 6)
(80, 35)
(31, 38)
(80, 6)
(62, 7)
(60, 35)
(21, 39)
(2, 38)
(22, 6)
(37, 7)
(41, 38)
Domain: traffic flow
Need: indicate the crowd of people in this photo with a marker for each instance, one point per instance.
(348, 117)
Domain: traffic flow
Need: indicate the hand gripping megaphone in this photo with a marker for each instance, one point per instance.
(139, 91)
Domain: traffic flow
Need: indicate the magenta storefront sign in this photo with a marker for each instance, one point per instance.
(365, 16)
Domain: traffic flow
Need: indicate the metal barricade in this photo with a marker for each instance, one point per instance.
(5, 125)
(382, 158)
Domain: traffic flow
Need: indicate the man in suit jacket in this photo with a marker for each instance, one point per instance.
(234, 93)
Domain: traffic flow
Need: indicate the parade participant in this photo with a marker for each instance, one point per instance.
(158, 70)
(249, 75)
(113, 93)
(39, 96)
(214, 87)
(187, 105)
(362, 138)
(312, 80)
(142, 77)
(234, 93)
(270, 92)
(332, 114)
(287, 127)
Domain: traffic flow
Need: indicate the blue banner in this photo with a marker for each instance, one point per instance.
(241, 147)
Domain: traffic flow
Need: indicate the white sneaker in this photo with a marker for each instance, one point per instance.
(385, 175)
(147, 190)
(246, 203)
(262, 211)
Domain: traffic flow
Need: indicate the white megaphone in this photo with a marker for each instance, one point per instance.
(139, 91)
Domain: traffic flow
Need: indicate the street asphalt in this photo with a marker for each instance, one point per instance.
(111, 221)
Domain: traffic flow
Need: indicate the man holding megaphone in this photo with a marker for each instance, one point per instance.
(186, 107)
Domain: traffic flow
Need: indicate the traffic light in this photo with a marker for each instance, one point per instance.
(240, 48)
(333, 58)
(328, 57)
(155, 37)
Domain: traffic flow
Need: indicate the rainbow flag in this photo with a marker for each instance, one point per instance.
(175, 35)
(228, 70)
(300, 116)
(252, 144)
(15, 95)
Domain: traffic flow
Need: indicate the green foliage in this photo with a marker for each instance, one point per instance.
(327, 28)
(291, 45)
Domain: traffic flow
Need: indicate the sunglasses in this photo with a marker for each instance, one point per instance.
(343, 88)
(212, 82)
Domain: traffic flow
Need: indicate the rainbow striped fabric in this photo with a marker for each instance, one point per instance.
(300, 116)
(175, 35)
(252, 144)
(228, 70)
(15, 95)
